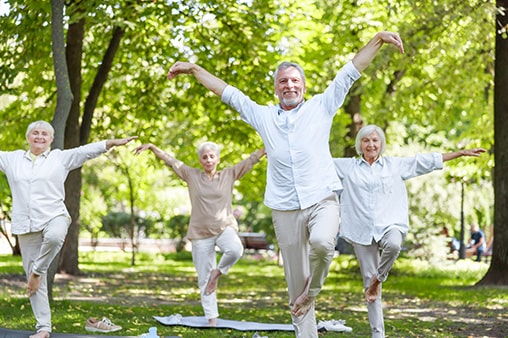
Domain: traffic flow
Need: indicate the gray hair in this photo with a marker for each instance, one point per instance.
(208, 146)
(366, 131)
(286, 65)
(42, 125)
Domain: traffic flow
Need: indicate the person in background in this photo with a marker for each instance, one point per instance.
(212, 222)
(453, 242)
(374, 208)
(477, 243)
(490, 243)
(39, 217)
(301, 184)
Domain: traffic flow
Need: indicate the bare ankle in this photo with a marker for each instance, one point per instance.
(41, 334)
(303, 302)
(211, 286)
(34, 281)
(372, 292)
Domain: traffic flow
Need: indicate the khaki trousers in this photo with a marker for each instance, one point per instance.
(307, 239)
(375, 263)
(38, 249)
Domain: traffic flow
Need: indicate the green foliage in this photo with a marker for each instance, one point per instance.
(257, 218)
(118, 224)
(436, 96)
(178, 226)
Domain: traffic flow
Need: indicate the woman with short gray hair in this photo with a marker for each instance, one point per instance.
(212, 222)
(39, 217)
(374, 208)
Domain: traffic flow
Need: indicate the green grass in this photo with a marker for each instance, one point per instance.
(420, 300)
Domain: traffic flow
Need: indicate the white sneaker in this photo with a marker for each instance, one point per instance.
(104, 325)
(334, 325)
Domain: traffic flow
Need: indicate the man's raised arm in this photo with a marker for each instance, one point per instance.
(208, 80)
(365, 56)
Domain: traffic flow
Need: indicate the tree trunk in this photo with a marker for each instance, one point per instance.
(76, 134)
(63, 87)
(75, 35)
(64, 98)
(498, 270)
(69, 260)
(98, 83)
(352, 108)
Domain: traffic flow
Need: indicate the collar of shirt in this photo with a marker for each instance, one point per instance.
(281, 111)
(31, 156)
(380, 160)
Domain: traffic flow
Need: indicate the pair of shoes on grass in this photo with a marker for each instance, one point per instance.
(104, 325)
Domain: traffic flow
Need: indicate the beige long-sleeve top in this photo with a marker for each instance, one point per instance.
(211, 199)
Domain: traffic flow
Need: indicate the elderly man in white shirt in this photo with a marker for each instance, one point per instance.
(374, 208)
(39, 217)
(301, 181)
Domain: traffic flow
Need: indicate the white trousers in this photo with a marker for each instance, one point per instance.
(205, 260)
(375, 263)
(38, 249)
(306, 239)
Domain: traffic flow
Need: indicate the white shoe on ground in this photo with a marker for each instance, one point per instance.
(334, 325)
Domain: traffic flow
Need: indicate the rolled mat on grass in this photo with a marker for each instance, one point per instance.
(6, 333)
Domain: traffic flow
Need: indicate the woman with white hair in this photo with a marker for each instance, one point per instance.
(212, 222)
(374, 208)
(39, 217)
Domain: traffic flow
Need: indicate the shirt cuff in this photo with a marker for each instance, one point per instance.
(438, 160)
(351, 70)
(227, 93)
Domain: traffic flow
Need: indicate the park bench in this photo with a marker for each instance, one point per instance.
(255, 241)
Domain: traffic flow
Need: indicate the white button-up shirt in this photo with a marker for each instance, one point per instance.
(37, 186)
(374, 199)
(300, 168)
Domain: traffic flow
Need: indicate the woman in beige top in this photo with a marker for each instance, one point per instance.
(212, 222)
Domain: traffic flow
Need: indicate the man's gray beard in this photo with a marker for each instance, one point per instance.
(292, 103)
